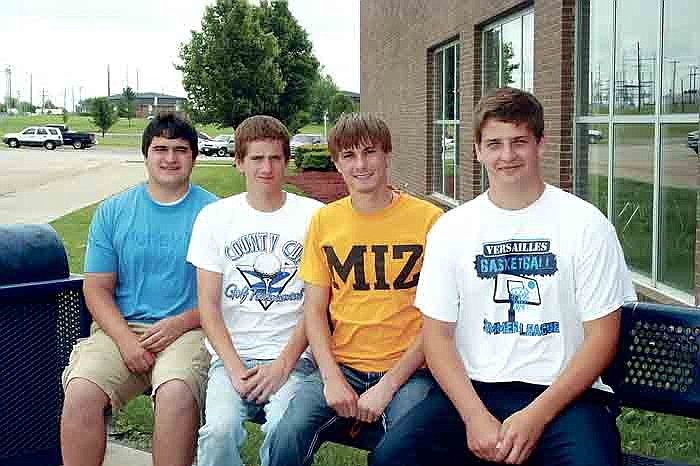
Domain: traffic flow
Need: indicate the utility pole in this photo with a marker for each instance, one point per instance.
(108, 91)
(72, 93)
(137, 80)
(31, 93)
(8, 84)
(43, 99)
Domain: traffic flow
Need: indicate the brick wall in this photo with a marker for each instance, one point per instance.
(397, 40)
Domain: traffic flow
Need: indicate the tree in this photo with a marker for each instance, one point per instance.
(229, 69)
(298, 65)
(103, 115)
(65, 116)
(322, 92)
(127, 104)
(340, 103)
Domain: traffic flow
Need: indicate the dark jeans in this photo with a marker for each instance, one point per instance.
(584, 434)
(301, 431)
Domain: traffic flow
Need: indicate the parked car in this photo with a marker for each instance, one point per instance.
(76, 139)
(693, 140)
(595, 136)
(304, 139)
(35, 136)
(222, 146)
(201, 139)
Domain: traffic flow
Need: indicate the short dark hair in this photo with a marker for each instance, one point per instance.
(352, 129)
(509, 105)
(170, 125)
(258, 128)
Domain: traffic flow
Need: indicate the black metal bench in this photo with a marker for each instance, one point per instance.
(41, 317)
(656, 367)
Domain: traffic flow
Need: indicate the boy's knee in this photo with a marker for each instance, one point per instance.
(175, 393)
(83, 396)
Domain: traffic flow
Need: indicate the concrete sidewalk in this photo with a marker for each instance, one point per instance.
(120, 455)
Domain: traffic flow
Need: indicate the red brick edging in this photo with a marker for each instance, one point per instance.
(322, 186)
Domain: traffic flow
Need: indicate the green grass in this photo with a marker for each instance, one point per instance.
(669, 437)
(123, 134)
(314, 129)
(678, 226)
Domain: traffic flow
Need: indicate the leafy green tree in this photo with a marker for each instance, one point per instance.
(103, 115)
(86, 105)
(230, 69)
(340, 103)
(65, 116)
(127, 104)
(322, 92)
(298, 65)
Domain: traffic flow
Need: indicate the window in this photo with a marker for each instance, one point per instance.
(41, 131)
(446, 120)
(508, 57)
(634, 126)
(29, 131)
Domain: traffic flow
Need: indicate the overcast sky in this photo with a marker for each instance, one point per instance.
(67, 44)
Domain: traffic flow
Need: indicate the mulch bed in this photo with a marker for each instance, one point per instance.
(322, 186)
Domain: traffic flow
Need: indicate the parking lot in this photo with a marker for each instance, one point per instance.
(38, 186)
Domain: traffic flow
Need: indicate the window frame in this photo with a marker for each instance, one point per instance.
(442, 123)
(498, 24)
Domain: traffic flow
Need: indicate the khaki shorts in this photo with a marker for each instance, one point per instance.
(98, 360)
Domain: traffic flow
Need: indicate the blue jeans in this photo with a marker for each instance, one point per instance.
(583, 434)
(221, 437)
(301, 432)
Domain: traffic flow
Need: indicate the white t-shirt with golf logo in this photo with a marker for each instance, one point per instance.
(258, 254)
(520, 283)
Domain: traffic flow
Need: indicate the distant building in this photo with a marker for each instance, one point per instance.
(150, 103)
(354, 96)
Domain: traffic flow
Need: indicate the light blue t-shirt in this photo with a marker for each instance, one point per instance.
(146, 243)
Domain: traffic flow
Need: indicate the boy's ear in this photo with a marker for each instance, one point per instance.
(477, 151)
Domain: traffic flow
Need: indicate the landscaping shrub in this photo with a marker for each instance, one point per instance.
(313, 157)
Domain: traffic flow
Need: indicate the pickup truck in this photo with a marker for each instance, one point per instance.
(35, 136)
(75, 139)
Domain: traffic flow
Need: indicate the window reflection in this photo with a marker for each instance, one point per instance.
(511, 53)
(446, 121)
(679, 197)
(528, 51)
(681, 76)
(594, 56)
(492, 54)
(592, 164)
(635, 57)
(633, 193)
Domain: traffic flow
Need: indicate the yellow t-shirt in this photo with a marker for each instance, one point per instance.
(371, 264)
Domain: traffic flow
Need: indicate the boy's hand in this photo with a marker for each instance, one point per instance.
(265, 381)
(340, 396)
(520, 434)
(374, 401)
(161, 334)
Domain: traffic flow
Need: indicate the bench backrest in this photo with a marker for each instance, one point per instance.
(656, 367)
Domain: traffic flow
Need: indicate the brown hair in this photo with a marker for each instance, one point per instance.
(353, 129)
(509, 105)
(261, 127)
